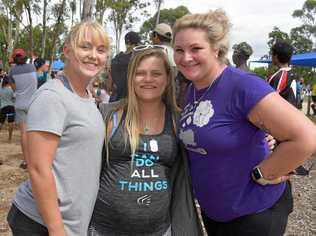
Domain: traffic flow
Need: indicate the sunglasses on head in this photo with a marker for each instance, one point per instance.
(149, 46)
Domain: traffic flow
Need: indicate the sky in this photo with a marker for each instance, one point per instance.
(252, 20)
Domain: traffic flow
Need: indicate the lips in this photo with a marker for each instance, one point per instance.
(148, 86)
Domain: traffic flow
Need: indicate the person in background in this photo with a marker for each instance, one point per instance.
(283, 81)
(300, 93)
(241, 54)
(144, 186)
(119, 66)
(23, 80)
(42, 71)
(7, 110)
(241, 186)
(162, 35)
(65, 146)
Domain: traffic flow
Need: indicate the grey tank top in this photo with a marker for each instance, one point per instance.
(136, 200)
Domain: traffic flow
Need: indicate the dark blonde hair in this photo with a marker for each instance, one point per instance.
(168, 97)
(131, 105)
(215, 24)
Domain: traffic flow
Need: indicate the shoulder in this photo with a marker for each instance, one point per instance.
(52, 90)
(24, 68)
(107, 109)
(244, 80)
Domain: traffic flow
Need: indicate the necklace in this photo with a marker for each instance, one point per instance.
(206, 91)
(150, 126)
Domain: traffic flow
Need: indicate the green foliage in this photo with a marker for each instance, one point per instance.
(168, 16)
(123, 15)
(276, 35)
(261, 71)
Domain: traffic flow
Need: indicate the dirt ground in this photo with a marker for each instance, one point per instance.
(302, 221)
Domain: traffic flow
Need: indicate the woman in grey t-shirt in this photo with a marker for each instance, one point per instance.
(66, 133)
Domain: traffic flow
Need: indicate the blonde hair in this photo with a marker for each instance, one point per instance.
(78, 34)
(131, 105)
(216, 25)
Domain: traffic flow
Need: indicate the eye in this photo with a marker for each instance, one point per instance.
(179, 50)
(139, 73)
(156, 74)
(102, 50)
(84, 46)
(196, 49)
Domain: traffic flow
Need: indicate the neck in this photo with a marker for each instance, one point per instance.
(151, 109)
(285, 65)
(243, 67)
(212, 76)
(79, 85)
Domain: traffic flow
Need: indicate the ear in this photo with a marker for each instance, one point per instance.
(66, 50)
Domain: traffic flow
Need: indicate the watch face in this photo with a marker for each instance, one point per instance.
(256, 173)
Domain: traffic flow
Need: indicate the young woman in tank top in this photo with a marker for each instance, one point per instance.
(144, 183)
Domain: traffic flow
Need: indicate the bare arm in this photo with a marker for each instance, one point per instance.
(296, 132)
(42, 150)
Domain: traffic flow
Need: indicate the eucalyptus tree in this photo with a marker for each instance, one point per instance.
(124, 13)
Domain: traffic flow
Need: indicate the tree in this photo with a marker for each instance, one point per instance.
(168, 16)
(73, 8)
(300, 42)
(87, 9)
(60, 10)
(10, 19)
(276, 35)
(44, 29)
(304, 35)
(101, 7)
(122, 15)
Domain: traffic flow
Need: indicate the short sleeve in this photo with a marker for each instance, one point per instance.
(250, 90)
(46, 113)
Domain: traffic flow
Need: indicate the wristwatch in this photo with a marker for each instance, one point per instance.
(258, 177)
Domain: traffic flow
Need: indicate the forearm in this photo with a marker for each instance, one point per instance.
(285, 158)
(45, 194)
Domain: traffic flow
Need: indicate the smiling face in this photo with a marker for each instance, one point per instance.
(194, 56)
(150, 79)
(89, 57)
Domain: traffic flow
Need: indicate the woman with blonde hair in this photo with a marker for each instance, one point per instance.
(65, 135)
(241, 187)
(144, 184)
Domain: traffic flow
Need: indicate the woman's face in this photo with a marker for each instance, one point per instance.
(150, 79)
(194, 56)
(89, 58)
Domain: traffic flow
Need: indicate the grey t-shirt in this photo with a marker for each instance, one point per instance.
(136, 201)
(77, 163)
(6, 97)
(25, 79)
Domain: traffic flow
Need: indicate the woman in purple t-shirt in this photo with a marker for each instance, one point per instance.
(240, 185)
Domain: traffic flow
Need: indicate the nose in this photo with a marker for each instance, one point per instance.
(187, 57)
(93, 53)
(147, 77)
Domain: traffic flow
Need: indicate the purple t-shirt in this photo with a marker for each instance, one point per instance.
(224, 146)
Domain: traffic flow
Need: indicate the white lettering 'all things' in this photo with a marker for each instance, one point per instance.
(144, 174)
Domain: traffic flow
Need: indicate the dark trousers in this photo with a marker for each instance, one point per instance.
(270, 222)
(22, 225)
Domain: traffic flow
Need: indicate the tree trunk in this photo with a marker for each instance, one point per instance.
(87, 9)
(44, 29)
(56, 29)
(28, 10)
